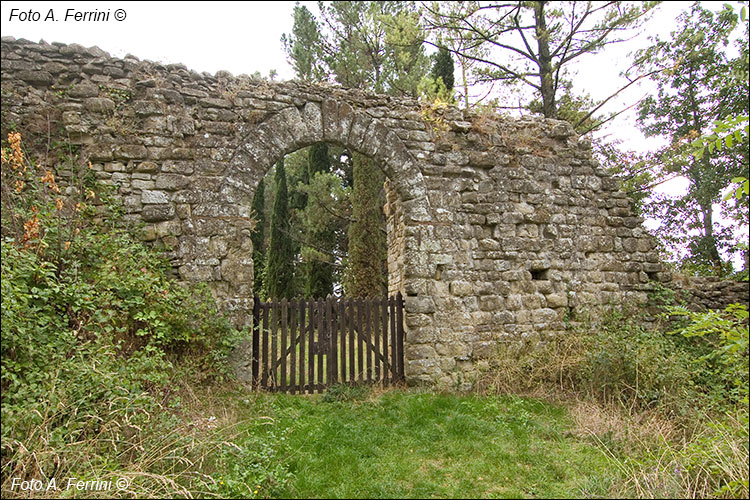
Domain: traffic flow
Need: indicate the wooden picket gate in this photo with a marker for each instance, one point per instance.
(307, 345)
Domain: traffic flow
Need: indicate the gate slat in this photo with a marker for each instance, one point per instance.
(400, 335)
(368, 340)
(376, 336)
(274, 344)
(342, 335)
(394, 348)
(311, 350)
(255, 366)
(284, 319)
(384, 326)
(302, 329)
(360, 344)
(293, 353)
(329, 341)
(333, 331)
(264, 332)
(352, 342)
(321, 349)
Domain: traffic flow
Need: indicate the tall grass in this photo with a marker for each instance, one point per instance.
(668, 407)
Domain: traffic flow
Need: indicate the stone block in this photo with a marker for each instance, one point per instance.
(156, 213)
(419, 304)
(154, 197)
(99, 105)
(461, 288)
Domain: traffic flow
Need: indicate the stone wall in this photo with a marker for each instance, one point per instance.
(395, 228)
(702, 293)
(499, 228)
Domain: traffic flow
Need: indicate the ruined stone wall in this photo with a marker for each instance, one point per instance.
(499, 229)
(703, 293)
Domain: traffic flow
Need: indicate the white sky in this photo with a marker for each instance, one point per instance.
(244, 37)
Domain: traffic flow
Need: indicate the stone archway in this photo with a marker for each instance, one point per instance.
(297, 127)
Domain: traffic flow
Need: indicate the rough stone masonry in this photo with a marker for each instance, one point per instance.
(499, 229)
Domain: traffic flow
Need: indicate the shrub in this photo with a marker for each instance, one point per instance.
(95, 335)
(720, 345)
(632, 365)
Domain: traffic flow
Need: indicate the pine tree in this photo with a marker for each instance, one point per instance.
(259, 237)
(279, 275)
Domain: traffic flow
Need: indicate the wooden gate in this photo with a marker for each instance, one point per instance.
(307, 345)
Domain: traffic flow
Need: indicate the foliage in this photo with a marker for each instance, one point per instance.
(538, 40)
(398, 443)
(678, 424)
(712, 463)
(699, 89)
(630, 169)
(465, 52)
(321, 239)
(366, 272)
(443, 68)
(303, 46)
(631, 365)
(252, 469)
(578, 110)
(95, 336)
(280, 261)
(343, 392)
(725, 338)
(367, 45)
(433, 87)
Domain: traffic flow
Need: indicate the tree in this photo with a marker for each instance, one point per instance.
(433, 88)
(443, 67)
(697, 92)
(319, 268)
(366, 45)
(303, 47)
(367, 273)
(532, 44)
(259, 237)
(465, 51)
(279, 271)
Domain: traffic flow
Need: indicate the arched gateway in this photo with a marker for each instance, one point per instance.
(499, 228)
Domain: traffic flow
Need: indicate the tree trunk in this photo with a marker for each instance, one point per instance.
(549, 106)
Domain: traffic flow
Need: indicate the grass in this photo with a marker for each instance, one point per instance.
(411, 444)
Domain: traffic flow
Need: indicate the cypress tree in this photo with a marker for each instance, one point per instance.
(259, 237)
(443, 67)
(279, 275)
(318, 274)
(367, 272)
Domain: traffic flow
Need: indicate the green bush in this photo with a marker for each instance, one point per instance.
(95, 335)
(630, 364)
(719, 342)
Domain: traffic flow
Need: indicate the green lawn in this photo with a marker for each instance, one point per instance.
(415, 444)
